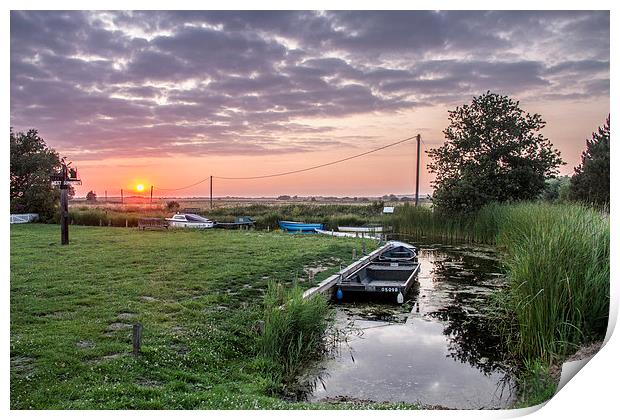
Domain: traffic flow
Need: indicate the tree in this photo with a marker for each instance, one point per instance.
(590, 183)
(556, 189)
(32, 163)
(91, 197)
(494, 151)
(173, 205)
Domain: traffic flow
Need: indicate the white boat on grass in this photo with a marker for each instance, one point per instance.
(189, 220)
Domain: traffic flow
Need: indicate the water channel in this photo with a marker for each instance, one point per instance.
(436, 350)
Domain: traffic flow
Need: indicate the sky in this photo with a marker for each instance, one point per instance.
(166, 99)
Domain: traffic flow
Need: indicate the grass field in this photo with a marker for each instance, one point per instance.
(198, 295)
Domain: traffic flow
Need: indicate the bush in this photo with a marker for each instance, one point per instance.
(172, 205)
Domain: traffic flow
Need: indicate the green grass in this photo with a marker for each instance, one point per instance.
(198, 295)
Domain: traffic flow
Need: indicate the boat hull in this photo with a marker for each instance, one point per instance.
(189, 225)
(361, 229)
(391, 273)
(300, 227)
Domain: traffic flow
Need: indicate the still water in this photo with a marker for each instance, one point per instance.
(436, 349)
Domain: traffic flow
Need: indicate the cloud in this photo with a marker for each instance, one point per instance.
(107, 83)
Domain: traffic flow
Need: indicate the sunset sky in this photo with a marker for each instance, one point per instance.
(169, 98)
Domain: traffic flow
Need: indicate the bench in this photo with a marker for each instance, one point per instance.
(152, 223)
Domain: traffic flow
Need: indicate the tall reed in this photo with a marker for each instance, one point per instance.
(557, 258)
(557, 261)
(293, 331)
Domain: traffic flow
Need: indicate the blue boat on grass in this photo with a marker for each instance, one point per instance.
(300, 227)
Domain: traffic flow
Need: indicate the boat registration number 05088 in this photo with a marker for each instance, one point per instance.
(389, 289)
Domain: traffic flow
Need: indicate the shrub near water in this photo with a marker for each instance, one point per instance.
(293, 331)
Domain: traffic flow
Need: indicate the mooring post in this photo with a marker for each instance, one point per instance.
(137, 338)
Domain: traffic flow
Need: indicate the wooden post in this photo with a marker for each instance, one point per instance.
(137, 338)
(121, 196)
(417, 176)
(151, 195)
(64, 216)
(126, 223)
(363, 245)
(211, 191)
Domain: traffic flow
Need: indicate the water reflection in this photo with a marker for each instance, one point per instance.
(436, 349)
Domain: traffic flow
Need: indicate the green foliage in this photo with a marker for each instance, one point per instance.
(557, 257)
(32, 163)
(556, 189)
(494, 153)
(293, 331)
(590, 183)
(536, 385)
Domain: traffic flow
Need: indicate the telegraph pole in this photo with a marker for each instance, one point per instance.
(417, 176)
(211, 191)
(121, 196)
(151, 195)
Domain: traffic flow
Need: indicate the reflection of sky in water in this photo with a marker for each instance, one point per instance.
(437, 356)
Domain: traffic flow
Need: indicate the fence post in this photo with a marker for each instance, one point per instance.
(137, 338)
(126, 223)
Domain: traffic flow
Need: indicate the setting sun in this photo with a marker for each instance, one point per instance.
(139, 187)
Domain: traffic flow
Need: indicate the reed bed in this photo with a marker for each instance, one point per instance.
(293, 332)
(557, 260)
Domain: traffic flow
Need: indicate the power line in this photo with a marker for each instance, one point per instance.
(294, 171)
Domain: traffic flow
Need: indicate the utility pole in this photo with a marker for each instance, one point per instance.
(417, 176)
(121, 196)
(105, 200)
(211, 191)
(151, 195)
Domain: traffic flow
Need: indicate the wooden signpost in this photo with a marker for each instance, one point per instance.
(68, 176)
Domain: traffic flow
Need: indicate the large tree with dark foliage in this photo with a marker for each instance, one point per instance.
(494, 151)
(32, 163)
(590, 183)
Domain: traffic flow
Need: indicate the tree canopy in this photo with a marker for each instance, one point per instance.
(32, 163)
(494, 151)
(590, 183)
